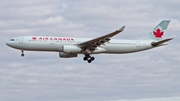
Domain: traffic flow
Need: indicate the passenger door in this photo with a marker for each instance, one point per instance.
(137, 43)
(21, 40)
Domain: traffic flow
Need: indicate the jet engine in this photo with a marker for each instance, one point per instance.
(71, 49)
(66, 55)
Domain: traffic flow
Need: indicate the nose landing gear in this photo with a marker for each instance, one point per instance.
(22, 53)
(88, 58)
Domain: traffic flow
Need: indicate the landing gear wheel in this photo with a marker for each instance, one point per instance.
(89, 61)
(88, 58)
(92, 58)
(22, 55)
(85, 58)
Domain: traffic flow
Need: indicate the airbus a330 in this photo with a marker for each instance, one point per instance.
(69, 47)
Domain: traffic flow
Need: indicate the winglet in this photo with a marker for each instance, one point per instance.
(122, 28)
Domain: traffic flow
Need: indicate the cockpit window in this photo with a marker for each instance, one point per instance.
(12, 39)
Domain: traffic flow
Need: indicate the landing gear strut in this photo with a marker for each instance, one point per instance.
(88, 58)
(22, 53)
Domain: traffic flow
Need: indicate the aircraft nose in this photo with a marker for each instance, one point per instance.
(7, 43)
(10, 44)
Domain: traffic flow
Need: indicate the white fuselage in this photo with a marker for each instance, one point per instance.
(55, 44)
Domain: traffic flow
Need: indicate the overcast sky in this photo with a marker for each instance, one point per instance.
(43, 76)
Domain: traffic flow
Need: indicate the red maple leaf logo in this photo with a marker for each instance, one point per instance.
(158, 33)
(34, 38)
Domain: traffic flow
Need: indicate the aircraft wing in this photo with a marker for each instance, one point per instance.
(92, 44)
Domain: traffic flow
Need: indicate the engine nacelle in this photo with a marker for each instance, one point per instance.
(71, 49)
(67, 55)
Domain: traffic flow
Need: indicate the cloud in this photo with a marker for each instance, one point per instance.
(44, 76)
(154, 99)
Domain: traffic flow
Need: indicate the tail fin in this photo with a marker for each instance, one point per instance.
(158, 31)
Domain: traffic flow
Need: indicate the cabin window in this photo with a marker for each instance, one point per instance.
(12, 39)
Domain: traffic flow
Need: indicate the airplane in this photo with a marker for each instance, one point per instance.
(69, 47)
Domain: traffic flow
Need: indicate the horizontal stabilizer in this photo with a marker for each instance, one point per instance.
(160, 42)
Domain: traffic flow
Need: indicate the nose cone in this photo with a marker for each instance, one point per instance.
(8, 43)
(12, 43)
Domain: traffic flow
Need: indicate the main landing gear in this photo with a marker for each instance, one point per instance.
(22, 53)
(88, 58)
